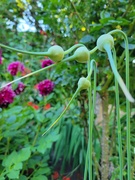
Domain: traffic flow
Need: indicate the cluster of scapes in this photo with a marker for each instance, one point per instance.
(105, 43)
(8, 94)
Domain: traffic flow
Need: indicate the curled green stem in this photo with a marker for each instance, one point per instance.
(92, 68)
(118, 77)
(120, 151)
(39, 53)
(93, 50)
(40, 70)
(117, 31)
(25, 52)
(88, 162)
(72, 48)
(127, 103)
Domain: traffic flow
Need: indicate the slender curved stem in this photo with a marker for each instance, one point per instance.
(128, 109)
(39, 53)
(91, 120)
(127, 102)
(118, 122)
(28, 75)
(128, 113)
(57, 120)
(72, 48)
(118, 77)
(25, 52)
(93, 50)
(92, 67)
(117, 31)
(35, 72)
(88, 163)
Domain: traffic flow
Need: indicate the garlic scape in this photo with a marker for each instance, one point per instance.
(61, 115)
(56, 53)
(106, 43)
(83, 83)
(82, 55)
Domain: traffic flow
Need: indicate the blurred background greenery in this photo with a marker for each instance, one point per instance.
(35, 26)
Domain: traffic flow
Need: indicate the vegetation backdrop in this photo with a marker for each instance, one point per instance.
(35, 26)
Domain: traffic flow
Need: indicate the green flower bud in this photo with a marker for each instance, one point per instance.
(82, 54)
(56, 53)
(103, 40)
(83, 83)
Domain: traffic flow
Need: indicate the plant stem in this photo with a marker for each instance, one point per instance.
(127, 102)
(35, 72)
(92, 101)
(72, 48)
(118, 77)
(118, 122)
(90, 132)
(57, 120)
(93, 50)
(128, 111)
(105, 138)
(25, 52)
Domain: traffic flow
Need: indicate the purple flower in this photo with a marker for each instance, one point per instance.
(20, 88)
(0, 56)
(45, 87)
(6, 96)
(46, 62)
(15, 67)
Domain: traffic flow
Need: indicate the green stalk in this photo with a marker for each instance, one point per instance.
(57, 120)
(127, 103)
(93, 50)
(88, 163)
(28, 75)
(118, 77)
(25, 52)
(72, 48)
(39, 53)
(40, 70)
(90, 121)
(118, 122)
(128, 110)
(92, 110)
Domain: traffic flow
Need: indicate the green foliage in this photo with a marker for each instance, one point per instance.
(21, 127)
(24, 152)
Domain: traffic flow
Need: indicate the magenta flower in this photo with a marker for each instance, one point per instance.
(15, 67)
(45, 87)
(6, 96)
(20, 88)
(46, 62)
(0, 56)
